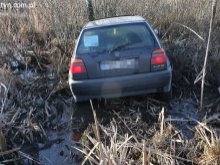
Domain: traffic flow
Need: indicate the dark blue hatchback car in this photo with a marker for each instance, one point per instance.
(116, 57)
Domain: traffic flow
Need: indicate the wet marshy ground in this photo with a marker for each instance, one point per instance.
(35, 99)
(73, 120)
(38, 106)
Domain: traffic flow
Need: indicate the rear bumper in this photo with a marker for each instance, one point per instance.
(131, 85)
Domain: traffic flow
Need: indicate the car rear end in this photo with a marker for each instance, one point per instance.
(118, 60)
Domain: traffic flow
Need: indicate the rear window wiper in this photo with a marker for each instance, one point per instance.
(118, 47)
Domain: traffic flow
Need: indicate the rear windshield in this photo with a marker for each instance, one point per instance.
(107, 39)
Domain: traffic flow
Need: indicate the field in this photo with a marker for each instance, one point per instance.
(36, 43)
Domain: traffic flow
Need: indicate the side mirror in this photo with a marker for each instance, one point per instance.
(158, 33)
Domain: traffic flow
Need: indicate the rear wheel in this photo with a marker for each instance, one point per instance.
(81, 105)
(166, 96)
(80, 108)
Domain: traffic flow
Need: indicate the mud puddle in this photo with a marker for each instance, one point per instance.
(184, 114)
(73, 121)
(60, 146)
(59, 149)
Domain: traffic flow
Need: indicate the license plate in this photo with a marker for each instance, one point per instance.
(119, 64)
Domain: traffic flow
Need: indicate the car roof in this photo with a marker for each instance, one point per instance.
(114, 21)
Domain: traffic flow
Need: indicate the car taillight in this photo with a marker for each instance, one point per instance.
(77, 66)
(158, 60)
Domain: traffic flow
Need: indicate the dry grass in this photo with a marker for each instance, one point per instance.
(208, 145)
(213, 11)
(53, 27)
(43, 38)
(121, 144)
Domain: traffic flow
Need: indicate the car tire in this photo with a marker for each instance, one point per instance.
(166, 96)
(81, 105)
(82, 110)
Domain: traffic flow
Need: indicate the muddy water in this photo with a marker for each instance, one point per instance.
(59, 148)
(183, 114)
(73, 121)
